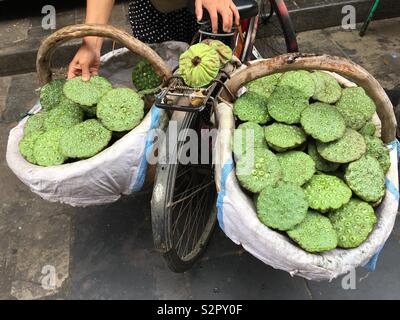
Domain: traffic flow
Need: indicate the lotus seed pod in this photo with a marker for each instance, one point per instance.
(356, 107)
(264, 85)
(300, 80)
(257, 170)
(51, 94)
(199, 65)
(35, 123)
(63, 116)
(85, 139)
(86, 93)
(327, 89)
(377, 149)
(366, 178)
(252, 107)
(353, 223)
(323, 122)
(286, 104)
(368, 130)
(320, 163)
(248, 135)
(297, 167)
(282, 207)
(315, 233)
(326, 192)
(225, 52)
(120, 109)
(144, 77)
(282, 137)
(348, 148)
(27, 143)
(46, 150)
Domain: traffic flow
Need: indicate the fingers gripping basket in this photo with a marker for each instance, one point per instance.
(236, 212)
(118, 170)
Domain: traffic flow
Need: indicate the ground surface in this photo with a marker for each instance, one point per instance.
(107, 252)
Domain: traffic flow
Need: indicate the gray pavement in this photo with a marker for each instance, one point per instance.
(107, 252)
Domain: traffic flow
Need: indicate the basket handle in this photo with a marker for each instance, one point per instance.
(48, 46)
(342, 66)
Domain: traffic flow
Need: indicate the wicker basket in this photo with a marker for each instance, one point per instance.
(236, 212)
(119, 169)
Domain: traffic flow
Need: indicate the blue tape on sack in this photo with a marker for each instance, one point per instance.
(371, 264)
(389, 184)
(392, 188)
(142, 170)
(395, 145)
(226, 170)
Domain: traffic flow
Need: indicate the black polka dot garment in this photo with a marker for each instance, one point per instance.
(151, 26)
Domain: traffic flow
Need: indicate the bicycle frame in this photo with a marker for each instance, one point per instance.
(245, 36)
(241, 40)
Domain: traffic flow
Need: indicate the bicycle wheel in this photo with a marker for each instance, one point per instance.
(183, 203)
(280, 30)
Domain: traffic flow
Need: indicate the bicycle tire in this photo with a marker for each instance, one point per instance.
(165, 216)
(282, 27)
(286, 25)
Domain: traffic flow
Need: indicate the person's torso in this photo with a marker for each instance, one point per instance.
(166, 6)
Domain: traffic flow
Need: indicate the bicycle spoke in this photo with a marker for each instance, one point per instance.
(190, 233)
(181, 211)
(190, 195)
(196, 225)
(188, 190)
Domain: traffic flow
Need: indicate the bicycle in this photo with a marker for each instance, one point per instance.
(183, 202)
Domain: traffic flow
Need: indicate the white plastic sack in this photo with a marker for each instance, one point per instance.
(237, 217)
(116, 171)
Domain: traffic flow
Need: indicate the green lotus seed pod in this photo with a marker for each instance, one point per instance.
(326, 192)
(120, 109)
(248, 135)
(300, 80)
(368, 130)
(377, 149)
(27, 143)
(51, 94)
(264, 85)
(255, 171)
(327, 89)
(320, 163)
(85, 139)
(323, 122)
(286, 104)
(297, 167)
(144, 77)
(366, 178)
(346, 149)
(199, 65)
(252, 107)
(63, 116)
(315, 233)
(46, 150)
(282, 207)
(35, 123)
(282, 137)
(86, 93)
(356, 107)
(353, 223)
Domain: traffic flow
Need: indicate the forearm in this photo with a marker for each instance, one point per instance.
(99, 12)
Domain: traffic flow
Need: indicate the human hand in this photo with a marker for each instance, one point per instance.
(226, 8)
(86, 62)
